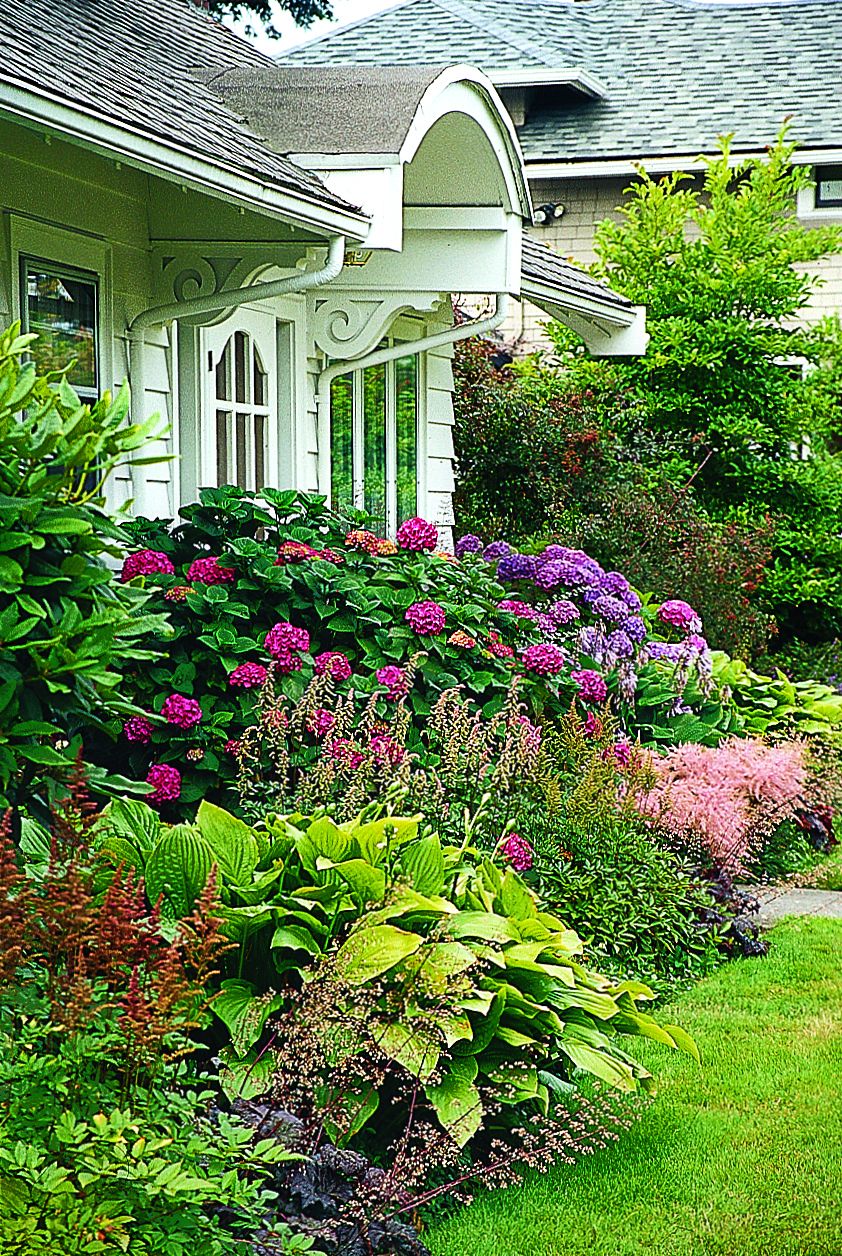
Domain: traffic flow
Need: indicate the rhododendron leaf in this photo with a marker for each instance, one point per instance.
(370, 952)
(424, 863)
(458, 1106)
(233, 843)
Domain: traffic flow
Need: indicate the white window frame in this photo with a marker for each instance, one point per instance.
(79, 255)
(358, 434)
(807, 206)
(260, 327)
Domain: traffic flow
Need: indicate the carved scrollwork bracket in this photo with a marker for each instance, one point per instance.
(350, 324)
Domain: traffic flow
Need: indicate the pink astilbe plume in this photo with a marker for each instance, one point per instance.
(731, 796)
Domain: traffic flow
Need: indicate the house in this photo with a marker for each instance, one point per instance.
(267, 253)
(595, 87)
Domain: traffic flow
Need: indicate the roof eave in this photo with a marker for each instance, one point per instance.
(551, 167)
(168, 161)
(576, 77)
(609, 330)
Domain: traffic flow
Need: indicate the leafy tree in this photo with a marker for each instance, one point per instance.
(723, 268)
(303, 12)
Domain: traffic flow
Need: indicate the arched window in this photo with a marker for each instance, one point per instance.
(241, 408)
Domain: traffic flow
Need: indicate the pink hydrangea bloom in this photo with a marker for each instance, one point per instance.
(283, 639)
(544, 659)
(417, 534)
(248, 676)
(321, 722)
(334, 663)
(184, 712)
(425, 618)
(620, 753)
(591, 686)
(138, 728)
(514, 607)
(517, 852)
(395, 681)
(231, 746)
(167, 782)
(345, 752)
(593, 725)
(386, 751)
(146, 563)
(679, 615)
(295, 552)
(499, 648)
(208, 571)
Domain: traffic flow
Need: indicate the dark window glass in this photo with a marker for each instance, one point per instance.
(342, 442)
(406, 431)
(374, 444)
(61, 307)
(829, 185)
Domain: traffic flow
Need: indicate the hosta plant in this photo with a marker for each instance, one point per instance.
(468, 985)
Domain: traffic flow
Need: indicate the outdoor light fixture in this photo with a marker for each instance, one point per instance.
(545, 214)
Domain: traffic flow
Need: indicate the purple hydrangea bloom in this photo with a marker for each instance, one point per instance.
(516, 567)
(610, 608)
(552, 554)
(631, 600)
(546, 625)
(619, 645)
(468, 544)
(665, 650)
(497, 549)
(635, 627)
(614, 582)
(695, 642)
(591, 641)
(564, 611)
(551, 575)
(680, 615)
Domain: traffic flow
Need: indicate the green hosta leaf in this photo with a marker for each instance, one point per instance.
(242, 922)
(424, 863)
(683, 1041)
(232, 842)
(243, 1012)
(515, 898)
(370, 952)
(356, 1106)
(133, 820)
(120, 851)
(179, 868)
(458, 1106)
(295, 938)
(412, 1047)
(391, 832)
(599, 1064)
(326, 839)
(245, 1078)
(366, 882)
(35, 841)
(482, 924)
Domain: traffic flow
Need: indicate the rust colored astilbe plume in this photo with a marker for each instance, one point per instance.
(14, 892)
(74, 815)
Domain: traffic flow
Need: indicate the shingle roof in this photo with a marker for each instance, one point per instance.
(147, 66)
(678, 73)
(349, 109)
(541, 265)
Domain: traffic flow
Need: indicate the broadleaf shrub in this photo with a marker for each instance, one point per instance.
(66, 628)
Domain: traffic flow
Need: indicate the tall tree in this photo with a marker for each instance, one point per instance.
(303, 12)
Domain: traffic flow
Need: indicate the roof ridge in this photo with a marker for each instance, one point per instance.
(340, 30)
(497, 28)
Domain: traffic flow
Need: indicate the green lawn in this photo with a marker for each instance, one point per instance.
(830, 873)
(740, 1158)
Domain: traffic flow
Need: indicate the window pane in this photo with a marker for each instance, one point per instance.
(259, 451)
(223, 375)
(240, 359)
(223, 471)
(406, 424)
(341, 442)
(260, 391)
(61, 309)
(374, 443)
(241, 433)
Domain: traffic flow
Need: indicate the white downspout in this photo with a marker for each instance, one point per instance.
(213, 303)
(406, 348)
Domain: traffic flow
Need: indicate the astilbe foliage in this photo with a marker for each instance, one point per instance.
(730, 797)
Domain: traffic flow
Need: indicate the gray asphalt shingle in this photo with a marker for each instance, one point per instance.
(678, 73)
(148, 66)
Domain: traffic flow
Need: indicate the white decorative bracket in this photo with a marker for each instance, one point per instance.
(351, 324)
(185, 269)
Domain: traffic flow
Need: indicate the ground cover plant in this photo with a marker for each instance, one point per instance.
(693, 1175)
(66, 628)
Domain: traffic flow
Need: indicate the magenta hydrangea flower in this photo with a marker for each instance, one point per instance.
(343, 751)
(680, 615)
(138, 728)
(232, 746)
(593, 725)
(522, 609)
(425, 618)
(563, 612)
(167, 782)
(248, 676)
(620, 753)
(208, 571)
(146, 563)
(386, 751)
(283, 642)
(335, 664)
(468, 544)
(417, 534)
(544, 659)
(395, 681)
(321, 722)
(517, 852)
(181, 711)
(591, 686)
